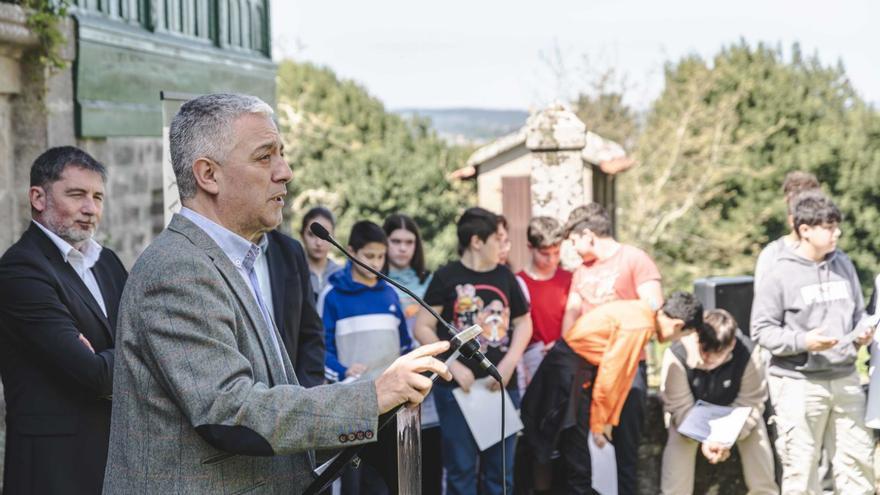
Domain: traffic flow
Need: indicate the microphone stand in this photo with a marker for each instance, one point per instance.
(462, 343)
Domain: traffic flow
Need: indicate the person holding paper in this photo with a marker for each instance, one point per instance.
(807, 312)
(476, 290)
(718, 365)
(581, 385)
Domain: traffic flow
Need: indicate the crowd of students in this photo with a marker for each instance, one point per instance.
(570, 347)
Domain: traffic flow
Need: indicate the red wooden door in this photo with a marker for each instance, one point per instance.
(516, 206)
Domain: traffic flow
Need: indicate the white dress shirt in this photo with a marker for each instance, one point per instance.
(81, 261)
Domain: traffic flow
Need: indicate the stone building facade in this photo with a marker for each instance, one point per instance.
(119, 56)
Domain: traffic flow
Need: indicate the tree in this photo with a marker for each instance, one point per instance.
(348, 153)
(718, 141)
(603, 110)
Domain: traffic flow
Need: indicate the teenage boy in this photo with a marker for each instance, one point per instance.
(581, 385)
(613, 271)
(365, 332)
(364, 325)
(476, 290)
(794, 183)
(547, 287)
(806, 309)
(716, 364)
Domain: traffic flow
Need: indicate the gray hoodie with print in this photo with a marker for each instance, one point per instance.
(797, 295)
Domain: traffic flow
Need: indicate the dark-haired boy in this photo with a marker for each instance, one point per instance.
(547, 287)
(794, 184)
(476, 290)
(582, 383)
(613, 271)
(364, 323)
(805, 311)
(716, 364)
(365, 332)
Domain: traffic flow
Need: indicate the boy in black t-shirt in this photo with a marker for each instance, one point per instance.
(476, 290)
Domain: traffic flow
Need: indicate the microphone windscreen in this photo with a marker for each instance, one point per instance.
(319, 231)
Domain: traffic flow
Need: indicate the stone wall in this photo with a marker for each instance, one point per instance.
(36, 113)
(133, 208)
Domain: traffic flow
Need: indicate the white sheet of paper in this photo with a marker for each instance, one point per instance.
(604, 465)
(872, 409)
(848, 338)
(712, 423)
(482, 411)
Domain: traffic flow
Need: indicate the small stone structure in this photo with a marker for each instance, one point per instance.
(549, 167)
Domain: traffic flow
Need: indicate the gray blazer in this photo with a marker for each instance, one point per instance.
(201, 403)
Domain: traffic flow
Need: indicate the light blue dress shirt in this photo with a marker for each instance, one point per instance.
(246, 256)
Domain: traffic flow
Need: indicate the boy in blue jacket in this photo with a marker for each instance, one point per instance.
(365, 329)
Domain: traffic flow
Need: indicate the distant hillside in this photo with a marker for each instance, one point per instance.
(469, 125)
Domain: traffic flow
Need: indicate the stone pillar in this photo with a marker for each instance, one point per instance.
(42, 114)
(555, 137)
(15, 38)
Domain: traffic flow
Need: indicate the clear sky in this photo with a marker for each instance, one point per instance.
(503, 54)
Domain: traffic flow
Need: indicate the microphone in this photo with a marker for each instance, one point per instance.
(469, 348)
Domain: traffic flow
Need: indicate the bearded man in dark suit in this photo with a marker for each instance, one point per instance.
(59, 295)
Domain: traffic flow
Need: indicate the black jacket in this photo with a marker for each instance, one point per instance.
(294, 308)
(57, 390)
(556, 400)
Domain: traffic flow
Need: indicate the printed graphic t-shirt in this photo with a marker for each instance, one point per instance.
(490, 299)
(618, 277)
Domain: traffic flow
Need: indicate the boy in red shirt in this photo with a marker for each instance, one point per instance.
(546, 287)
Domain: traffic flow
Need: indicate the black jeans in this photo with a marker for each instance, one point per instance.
(575, 452)
(628, 434)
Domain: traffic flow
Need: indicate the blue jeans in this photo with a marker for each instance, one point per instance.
(465, 464)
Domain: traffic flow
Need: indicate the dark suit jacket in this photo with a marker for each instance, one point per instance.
(57, 390)
(295, 314)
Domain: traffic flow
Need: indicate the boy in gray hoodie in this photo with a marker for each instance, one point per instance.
(807, 313)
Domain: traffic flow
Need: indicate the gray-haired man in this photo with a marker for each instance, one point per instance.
(206, 398)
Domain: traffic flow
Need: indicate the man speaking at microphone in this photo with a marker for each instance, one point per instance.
(206, 399)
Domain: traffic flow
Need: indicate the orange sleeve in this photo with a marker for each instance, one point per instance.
(615, 375)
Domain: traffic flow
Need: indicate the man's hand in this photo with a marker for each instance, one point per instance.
(715, 453)
(85, 341)
(402, 381)
(601, 439)
(505, 369)
(463, 375)
(817, 342)
(355, 370)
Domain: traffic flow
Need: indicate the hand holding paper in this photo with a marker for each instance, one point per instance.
(716, 424)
